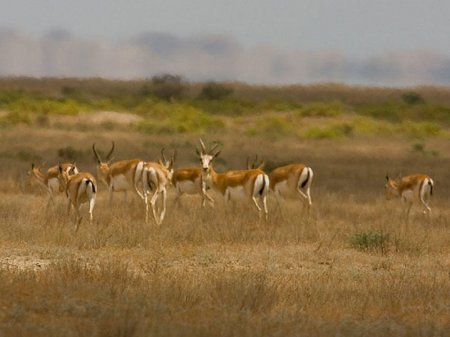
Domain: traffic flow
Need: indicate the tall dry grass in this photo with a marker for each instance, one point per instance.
(226, 273)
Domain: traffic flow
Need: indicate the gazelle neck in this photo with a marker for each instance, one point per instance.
(39, 176)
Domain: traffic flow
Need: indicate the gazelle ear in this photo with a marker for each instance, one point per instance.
(60, 168)
(387, 177)
(215, 155)
(32, 166)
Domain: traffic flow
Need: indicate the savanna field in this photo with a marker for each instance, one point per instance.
(352, 267)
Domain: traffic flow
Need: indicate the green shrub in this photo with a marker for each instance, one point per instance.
(412, 98)
(215, 91)
(167, 87)
(16, 117)
(229, 106)
(369, 126)
(370, 240)
(177, 118)
(338, 130)
(272, 126)
(390, 111)
(420, 129)
(277, 104)
(69, 153)
(322, 109)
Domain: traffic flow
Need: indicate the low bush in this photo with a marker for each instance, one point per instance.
(322, 109)
(272, 126)
(337, 130)
(370, 240)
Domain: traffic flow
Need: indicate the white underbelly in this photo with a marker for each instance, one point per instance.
(283, 189)
(120, 183)
(53, 184)
(236, 193)
(408, 195)
(188, 187)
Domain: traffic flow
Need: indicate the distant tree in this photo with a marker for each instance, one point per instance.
(412, 98)
(167, 87)
(215, 91)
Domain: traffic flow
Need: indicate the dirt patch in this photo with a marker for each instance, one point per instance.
(99, 117)
(24, 263)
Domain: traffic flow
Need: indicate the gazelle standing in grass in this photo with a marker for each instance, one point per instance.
(50, 180)
(122, 175)
(292, 181)
(79, 188)
(189, 180)
(235, 186)
(156, 178)
(412, 188)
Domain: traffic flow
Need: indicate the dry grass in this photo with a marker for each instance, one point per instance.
(212, 273)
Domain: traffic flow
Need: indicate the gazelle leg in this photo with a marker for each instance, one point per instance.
(266, 212)
(69, 203)
(153, 203)
(78, 217)
(163, 212)
(91, 209)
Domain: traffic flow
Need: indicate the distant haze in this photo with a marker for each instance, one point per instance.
(205, 58)
(383, 42)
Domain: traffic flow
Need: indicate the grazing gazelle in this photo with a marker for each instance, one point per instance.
(156, 177)
(50, 180)
(292, 181)
(79, 188)
(412, 188)
(235, 185)
(189, 180)
(123, 175)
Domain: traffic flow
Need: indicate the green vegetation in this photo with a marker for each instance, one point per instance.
(169, 104)
(370, 241)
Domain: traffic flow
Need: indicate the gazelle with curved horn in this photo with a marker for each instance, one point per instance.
(412, 188)
(122, 175)
(156, 178)
(239, 185)
(50, 180)
(189, 180)
(255, 164)
(292, 181)
(79, 188)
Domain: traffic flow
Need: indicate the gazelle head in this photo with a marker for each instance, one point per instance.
(255, 164)
(33, 172)
(206, 157)
(63, 177)
(103, 166)
(390, 188)
(168, 163)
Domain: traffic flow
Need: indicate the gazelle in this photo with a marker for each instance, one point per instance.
(157, 177)
(50, 180)
(255, 164)
(235, 185)
(292, 181)
(189, 180)
(80, 188)
(412, 188)
(120, 176)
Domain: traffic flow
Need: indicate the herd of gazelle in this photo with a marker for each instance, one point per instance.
(150, 181)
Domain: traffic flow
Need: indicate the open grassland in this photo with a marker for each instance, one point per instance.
(352, 268)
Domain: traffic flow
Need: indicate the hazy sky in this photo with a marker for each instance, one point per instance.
(358, 28)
